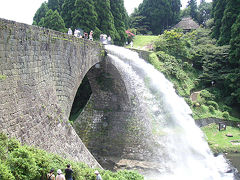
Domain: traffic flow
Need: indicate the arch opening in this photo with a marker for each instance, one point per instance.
(100, 117)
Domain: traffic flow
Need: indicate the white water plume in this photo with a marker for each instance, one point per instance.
(186, 155)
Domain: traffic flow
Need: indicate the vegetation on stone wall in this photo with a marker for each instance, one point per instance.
(28, 163)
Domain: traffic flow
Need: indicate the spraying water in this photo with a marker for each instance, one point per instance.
(184, 154)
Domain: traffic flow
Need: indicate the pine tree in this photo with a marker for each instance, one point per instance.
(67, 10)
(193, 8)
(41, 13)
(159, 13)
(204, 12)
(119, 13)
(53, 20)
(54, 5)
(105, 18)
(231, 12)
(218, 10)
(235, 42)
(84, 15)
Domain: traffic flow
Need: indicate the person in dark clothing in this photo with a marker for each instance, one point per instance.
(68, 172)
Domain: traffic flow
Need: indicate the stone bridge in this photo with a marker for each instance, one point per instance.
(41, 71)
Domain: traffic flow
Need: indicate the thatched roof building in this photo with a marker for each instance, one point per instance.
(187, 24)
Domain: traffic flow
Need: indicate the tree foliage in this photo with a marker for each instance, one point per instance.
(158, 14)
(192, 4)
(41, 13)
(84, 15)
(53, 20)
(120, 20)
(106, 16)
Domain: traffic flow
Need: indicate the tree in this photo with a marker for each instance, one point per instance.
(41, 13)
(235, 42)
(218, 10)
(139, 23)
(193, 8)
(232, 10)
(54, 5)
(105, 18)
(160, 14)
(84, 15)
(204, 12)
(53, 20)
(119, 13)
(66, 13)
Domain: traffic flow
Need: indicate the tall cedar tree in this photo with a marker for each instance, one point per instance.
(235, 42)
(204, 12)
(218, 10)
(105, 18)
(54, 5)
(119, 13)
(41, 13)
(60, 5)
(53, 20)
(159, 13)
(84, 15)
(232, 10)
(193, 8)
(66, 13)
(139, 22)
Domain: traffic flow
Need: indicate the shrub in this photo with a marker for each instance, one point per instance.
(213, 103)
(5, 173)
(13, 144)
(226, 108)
(225, 115)
(211, 108)
(22, 164)
(188, 101)
(207, 95)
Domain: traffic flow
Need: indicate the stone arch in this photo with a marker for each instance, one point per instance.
(102, 124)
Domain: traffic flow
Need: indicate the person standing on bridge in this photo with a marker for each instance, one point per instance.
(91, 35)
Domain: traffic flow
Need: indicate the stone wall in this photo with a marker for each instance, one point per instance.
(40, 72)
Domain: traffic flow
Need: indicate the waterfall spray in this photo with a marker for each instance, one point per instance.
(181, 148)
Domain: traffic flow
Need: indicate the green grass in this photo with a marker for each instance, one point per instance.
(140, 41)
(218, 140)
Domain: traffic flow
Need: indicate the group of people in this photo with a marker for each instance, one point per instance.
(60, 176)
(79, 34)
(103, 37)
(68, 174)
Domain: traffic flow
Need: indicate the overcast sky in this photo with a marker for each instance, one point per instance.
(24, 10)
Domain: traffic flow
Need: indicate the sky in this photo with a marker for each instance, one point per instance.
(24, 10)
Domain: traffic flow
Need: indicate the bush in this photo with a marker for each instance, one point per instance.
(5, 173)
(22, 164)
(226, 115)
(188, 101)
(213, 103)
(211, 109)
(207, 95)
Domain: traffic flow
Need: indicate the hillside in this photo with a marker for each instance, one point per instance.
(183, 58)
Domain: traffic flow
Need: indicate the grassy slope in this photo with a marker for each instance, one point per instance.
(140, 41)
(218, 140)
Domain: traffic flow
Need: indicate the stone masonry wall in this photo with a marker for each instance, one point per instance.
(40, 72)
